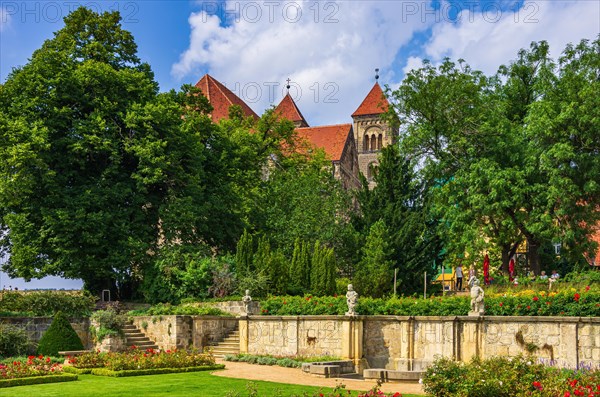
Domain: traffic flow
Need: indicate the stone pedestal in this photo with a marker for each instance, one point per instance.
(475, 314)
(111, 344)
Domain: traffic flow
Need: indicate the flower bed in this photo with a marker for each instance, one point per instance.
(584, 302)
(141, 362)
(506, 377)
(290, 362)
(35, 370)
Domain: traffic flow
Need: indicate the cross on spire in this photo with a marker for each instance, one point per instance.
(376, 74)
(288, 84)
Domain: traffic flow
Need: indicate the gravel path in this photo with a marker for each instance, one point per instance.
(296, 376)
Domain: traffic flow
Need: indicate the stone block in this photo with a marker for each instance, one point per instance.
(403, 376)
(374, 373)
(325, 371)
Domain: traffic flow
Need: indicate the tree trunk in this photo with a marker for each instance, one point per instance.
(508, 251)
(534, 255)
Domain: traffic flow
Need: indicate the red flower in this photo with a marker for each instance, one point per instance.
(587, 287)
(573, 383)
(537, 385)
(397, 394)
(535, 299)
(528, 307)
(500, 304)
(567, 394)
(577, 296)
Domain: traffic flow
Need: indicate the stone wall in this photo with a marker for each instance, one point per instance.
(182, 332)
(236, 307)
(36, 326)
(412, 343)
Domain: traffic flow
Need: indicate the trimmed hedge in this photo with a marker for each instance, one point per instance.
(79, 371)
(46, 303)
(153, 371)
(570, 302)
(36, 380)
(60, 336)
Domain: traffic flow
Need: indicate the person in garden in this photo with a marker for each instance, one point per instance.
(555, 275)
(543, 275)
(459, 277)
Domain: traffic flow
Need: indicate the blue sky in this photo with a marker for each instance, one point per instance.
(329, 49)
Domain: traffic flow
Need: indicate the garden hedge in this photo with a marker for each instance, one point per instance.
(36, 380)
(153, 371)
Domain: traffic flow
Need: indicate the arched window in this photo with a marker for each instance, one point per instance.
(373, 142)
(379, 141)
(366, 143)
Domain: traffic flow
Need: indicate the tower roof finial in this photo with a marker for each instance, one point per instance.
(288, 85)
(376, 74)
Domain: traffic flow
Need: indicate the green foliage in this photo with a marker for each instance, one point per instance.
(504, 377)
(510, 157)
(46, 303)
(107, 323)
(300, 268)
(60, 336)
(374, 274)
(153, 371)
(323, 270)
(223, 277)
(183, 309)
(290, 362)
(13, 341)
(38, 380)
(244, 253)
(404, 237)
(564, 303)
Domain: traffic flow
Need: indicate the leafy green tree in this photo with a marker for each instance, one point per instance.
(97, 168)
(507, 152)
(374, 275)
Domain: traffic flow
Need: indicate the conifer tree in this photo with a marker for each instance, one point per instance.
(262, 254)
(244, 253)
(374, 274)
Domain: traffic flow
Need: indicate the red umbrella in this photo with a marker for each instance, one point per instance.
(511, 269)
(486, 270)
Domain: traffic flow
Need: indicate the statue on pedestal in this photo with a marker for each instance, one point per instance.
(246, 299)
(351, 300)
(477, 306)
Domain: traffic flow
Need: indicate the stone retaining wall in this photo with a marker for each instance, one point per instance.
(36, 326)
(412, 343)
(182, 332)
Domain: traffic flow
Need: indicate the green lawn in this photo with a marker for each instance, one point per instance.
(200, 384)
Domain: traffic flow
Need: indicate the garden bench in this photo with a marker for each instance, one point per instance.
(74, 353)
(325, 371)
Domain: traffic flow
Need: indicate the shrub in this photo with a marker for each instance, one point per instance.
(108, 322)
(46, 303)
(505, 377)
(13, 341)
(189, 309)
(59, 336)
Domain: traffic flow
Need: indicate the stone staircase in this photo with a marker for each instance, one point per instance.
(229, 345)
(137, 338)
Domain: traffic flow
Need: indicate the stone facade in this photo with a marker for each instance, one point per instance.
(371, 134)
(36, 326)
(182, 332)
(347, 168)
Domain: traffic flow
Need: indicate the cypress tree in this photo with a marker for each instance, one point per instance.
(244, 252)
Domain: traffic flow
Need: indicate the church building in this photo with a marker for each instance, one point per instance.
(352, 148)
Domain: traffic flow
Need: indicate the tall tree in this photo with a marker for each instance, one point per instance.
(400, 201)
(374, 276)
(96, 167)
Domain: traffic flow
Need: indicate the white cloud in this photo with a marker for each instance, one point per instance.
(487, 40)
(329, 49)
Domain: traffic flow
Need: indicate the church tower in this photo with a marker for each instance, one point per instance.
(371, 133)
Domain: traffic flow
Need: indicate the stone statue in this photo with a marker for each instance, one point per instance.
(246, 299)
(352, 300)
(477, 306)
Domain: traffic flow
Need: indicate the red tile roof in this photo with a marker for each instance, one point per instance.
(287, 108)
(331, 138)
(374, 103)
(221, 98)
